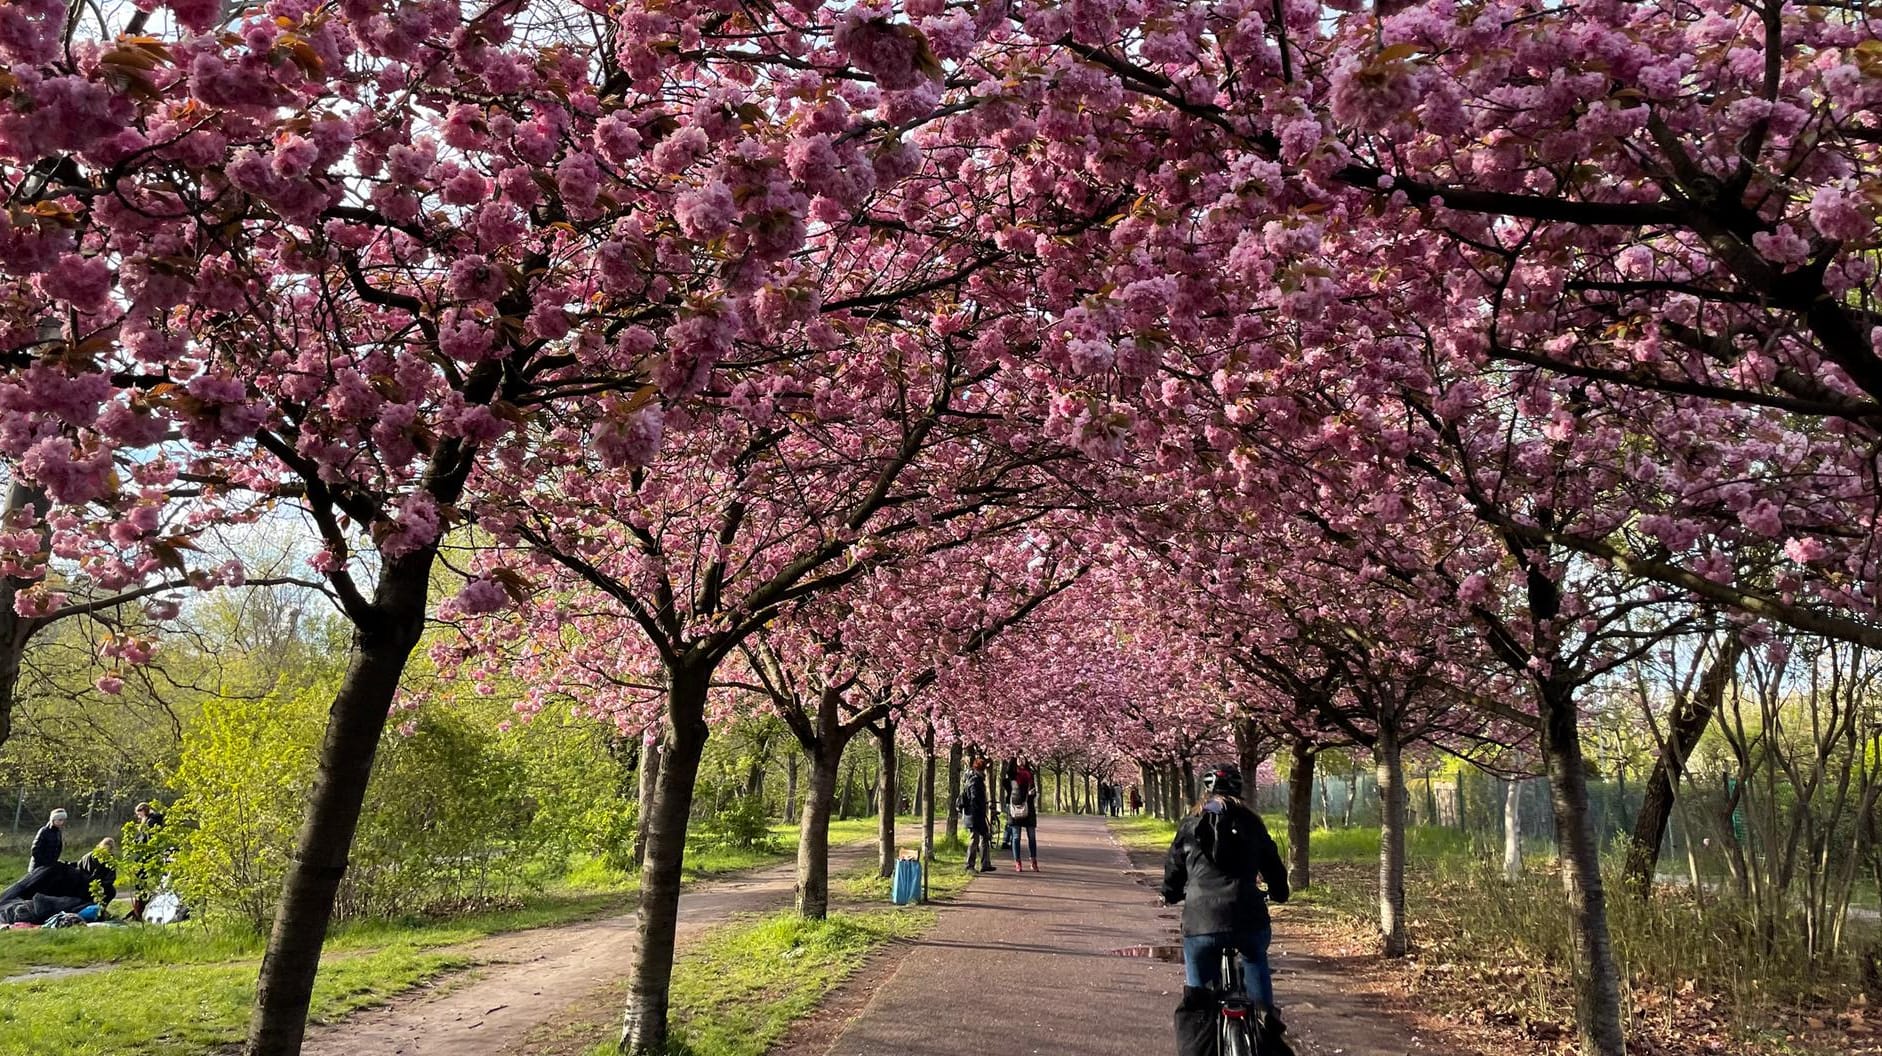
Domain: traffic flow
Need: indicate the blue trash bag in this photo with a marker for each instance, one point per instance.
(89, 913)
(906, 885)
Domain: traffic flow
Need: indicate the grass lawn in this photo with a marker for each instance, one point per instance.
(741, 986)
(187, 988)
(1359, 844)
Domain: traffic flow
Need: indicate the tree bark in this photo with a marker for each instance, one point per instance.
(887, 793)
(644, 1025)
(813, 834)
(928, 768)
(1690, 719)
(1392, 802)
(791, 765)
(16, 630)
(355, 722)
(1512, 831)
(651, 754)
(845, 806)
(1597, 975)
(1300, 816)
(954, 793)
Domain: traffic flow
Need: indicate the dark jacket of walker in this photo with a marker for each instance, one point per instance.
(1214, 862)
(48, 845)
(973, 801)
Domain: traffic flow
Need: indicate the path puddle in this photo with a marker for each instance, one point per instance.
(44, 972)
(1167, 954)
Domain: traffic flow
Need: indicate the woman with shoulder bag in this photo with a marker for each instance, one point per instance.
(1022, 815)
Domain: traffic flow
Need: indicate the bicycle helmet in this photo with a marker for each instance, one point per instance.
(1223, 779)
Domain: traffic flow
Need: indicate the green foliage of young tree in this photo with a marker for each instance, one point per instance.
(241, 781)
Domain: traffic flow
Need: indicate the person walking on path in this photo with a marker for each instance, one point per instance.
(48, 842)
(1137, 800)
(974, 805)
(1022, 814)
(1220, 853)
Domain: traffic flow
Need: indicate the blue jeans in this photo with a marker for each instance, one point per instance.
(1032, 839)
(1202, 961)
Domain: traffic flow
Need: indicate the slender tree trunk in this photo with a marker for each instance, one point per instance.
(1249, 750)
(354, 725)
(1597, 975)
(651, 753)
(1179, 799)
(1392, 797)
(1186, 779)
(1690, 719)
(790, 787)
(644, 1025)
(889, 788)
(954, 793)
(1512, 831)
(1300, 816)
(1147, 787)
(928, 768)
(846, 805)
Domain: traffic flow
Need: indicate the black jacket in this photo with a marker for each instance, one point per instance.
(1023, 791)
(48, 844)
(974, 800)
(1214, 861)
(95, 870)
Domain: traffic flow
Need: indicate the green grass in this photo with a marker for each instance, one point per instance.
(1359, 844)
(739, 988)
(185, 989)
(187, 1010)
(946, 877)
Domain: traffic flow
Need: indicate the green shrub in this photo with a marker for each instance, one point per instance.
(740, 825)
(448, 822)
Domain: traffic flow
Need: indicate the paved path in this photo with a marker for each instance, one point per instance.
(529, 978)
(1025, 965)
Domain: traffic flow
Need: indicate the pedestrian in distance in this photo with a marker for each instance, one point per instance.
(1022, 814)
(975, 805)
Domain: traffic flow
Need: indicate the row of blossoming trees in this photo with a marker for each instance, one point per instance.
(1379, 374)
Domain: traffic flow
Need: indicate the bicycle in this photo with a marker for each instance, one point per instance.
(1236, 1029)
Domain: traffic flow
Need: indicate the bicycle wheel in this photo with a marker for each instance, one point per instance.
(1238, 1034)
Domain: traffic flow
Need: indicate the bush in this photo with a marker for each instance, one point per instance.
(242, 777)
(448, 821)
(740, 825)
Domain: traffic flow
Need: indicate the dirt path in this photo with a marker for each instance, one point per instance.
(528, 978)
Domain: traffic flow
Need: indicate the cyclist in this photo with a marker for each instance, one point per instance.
(1220, 852)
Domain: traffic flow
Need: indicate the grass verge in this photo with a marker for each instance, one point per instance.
(1360, 844)
(188, 1009)
(743, 984)
(187, 988)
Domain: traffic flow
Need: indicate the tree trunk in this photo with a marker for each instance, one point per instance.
(1512, 831)
(888, 790)
(1300, 816)
(16, 630)
(954, 793)
(1597, 976)
(1690, 719)
(644, 1025)
(813, 833)
(790, 788)
(846, 805)
(1177, 801)
(928, 767)
(651, 752)
(354, 725)
(1392, 796)
(1186, 779)
(1147, 788)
